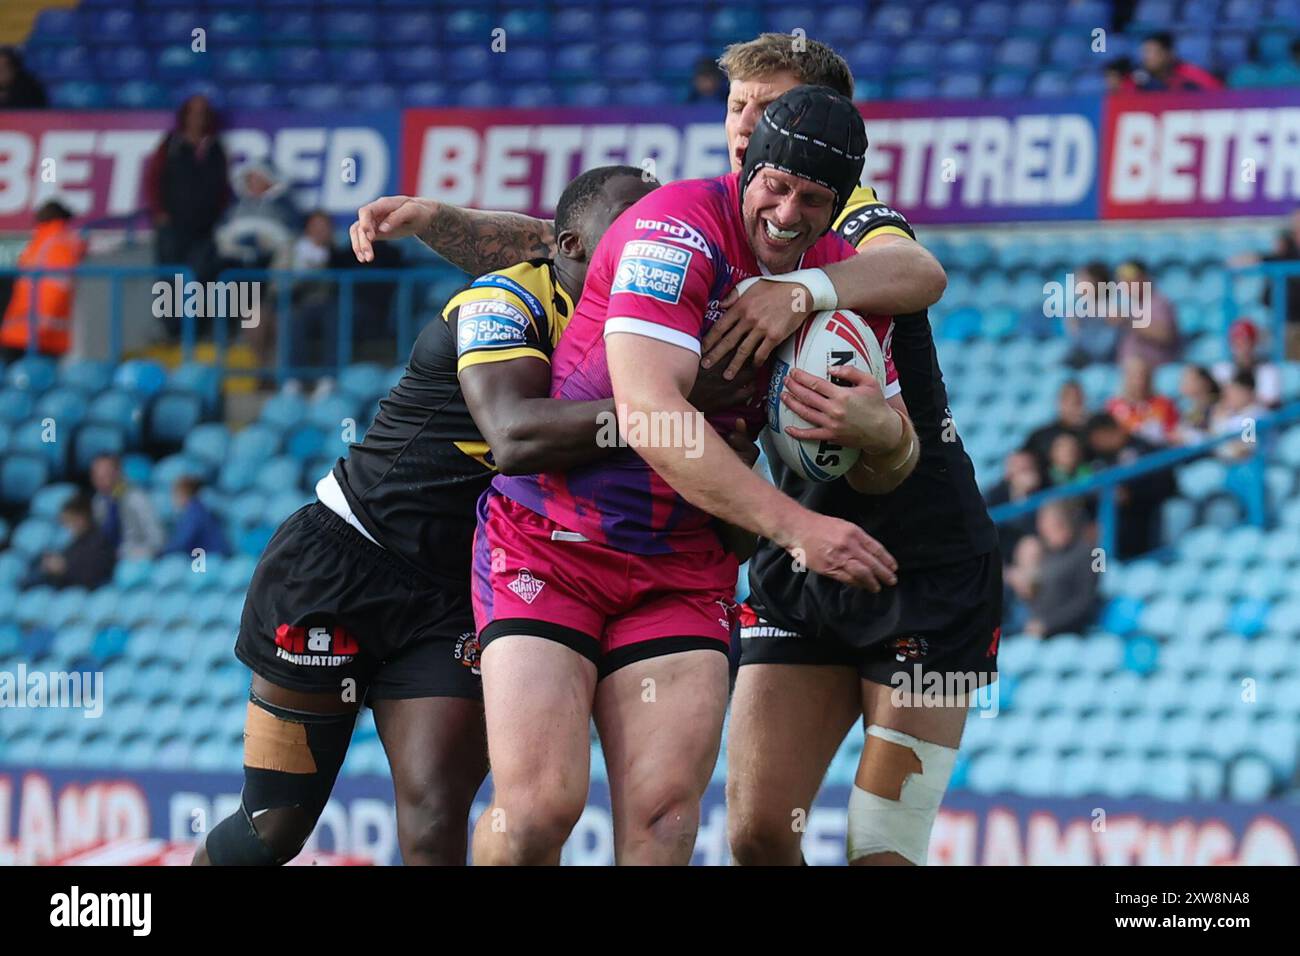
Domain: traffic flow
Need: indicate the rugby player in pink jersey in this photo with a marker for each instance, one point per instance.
(605, 591)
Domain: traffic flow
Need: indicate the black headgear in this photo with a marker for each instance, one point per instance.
(811, 132)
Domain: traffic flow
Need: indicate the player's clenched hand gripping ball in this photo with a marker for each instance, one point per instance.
(827, 341)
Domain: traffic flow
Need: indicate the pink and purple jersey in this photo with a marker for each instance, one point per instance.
(659, 271)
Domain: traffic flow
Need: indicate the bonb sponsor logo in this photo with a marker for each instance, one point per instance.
(678, 231)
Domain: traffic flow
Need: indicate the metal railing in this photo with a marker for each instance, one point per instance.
(1105, 484)
(283, 282)
(116, 276)
(1276, 273)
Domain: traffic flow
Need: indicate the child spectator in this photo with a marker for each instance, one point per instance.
(196, 525)
(1022, 478)
(1071, 417)
(1237, 413)
(1067, 460)
(87, 561)
(1243, 344)
(1200, 393)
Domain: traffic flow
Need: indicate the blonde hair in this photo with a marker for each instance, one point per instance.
(769, 53)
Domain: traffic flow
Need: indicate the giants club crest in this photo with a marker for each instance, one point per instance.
(526, 586)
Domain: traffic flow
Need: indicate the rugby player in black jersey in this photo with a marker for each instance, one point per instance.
(363, 595)
(818, 655)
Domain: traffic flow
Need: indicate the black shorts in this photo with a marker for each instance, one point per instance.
(945, 619)
(330, 611)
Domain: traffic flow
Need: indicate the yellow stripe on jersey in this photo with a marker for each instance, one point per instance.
(500, 355)
(524, 297)
(478, 450)
(866, 216)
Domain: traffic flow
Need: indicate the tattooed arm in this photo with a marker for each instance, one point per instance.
(474, 240)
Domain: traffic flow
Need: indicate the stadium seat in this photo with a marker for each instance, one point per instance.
(141, 377)
(31, 373)
(20, 476)
(424, 95)
(416, 64)
(298, 64)
(209, 443)
(254, 443)
(202, 380)
(299, 26)
(173, 416)
(94, 439)
(35, 536)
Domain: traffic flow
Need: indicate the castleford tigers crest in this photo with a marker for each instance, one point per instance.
(467, 651)
(910, 648)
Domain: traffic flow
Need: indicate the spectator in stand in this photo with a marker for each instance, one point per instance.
(1139, 410)
(315, 302)
(1153, 335)
(1286, 248)
(257, 233)
(196, 525)
(1067, 460)
(708, 82)
(1022, 477)
(1093, 338)
(88, 559)
(1237, 413)
(187, 189)
(123, 512)
(1162, 70)
(1071, 418)
(1243, 345)
(1139, 500)
(262, 224)
(1200, 393)
(1115, 74)
(54, 245)
(1053, 573)
(19, 89)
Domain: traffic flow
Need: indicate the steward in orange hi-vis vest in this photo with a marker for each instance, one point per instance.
(54, 245)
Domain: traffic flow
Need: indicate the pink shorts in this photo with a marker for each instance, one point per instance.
(532, 577)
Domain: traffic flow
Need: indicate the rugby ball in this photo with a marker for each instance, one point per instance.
(826, 341)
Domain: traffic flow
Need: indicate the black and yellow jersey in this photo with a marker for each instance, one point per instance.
(936, 517)
(414, 479)
(865, 215)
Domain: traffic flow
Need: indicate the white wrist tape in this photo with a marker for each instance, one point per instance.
(817, 282)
